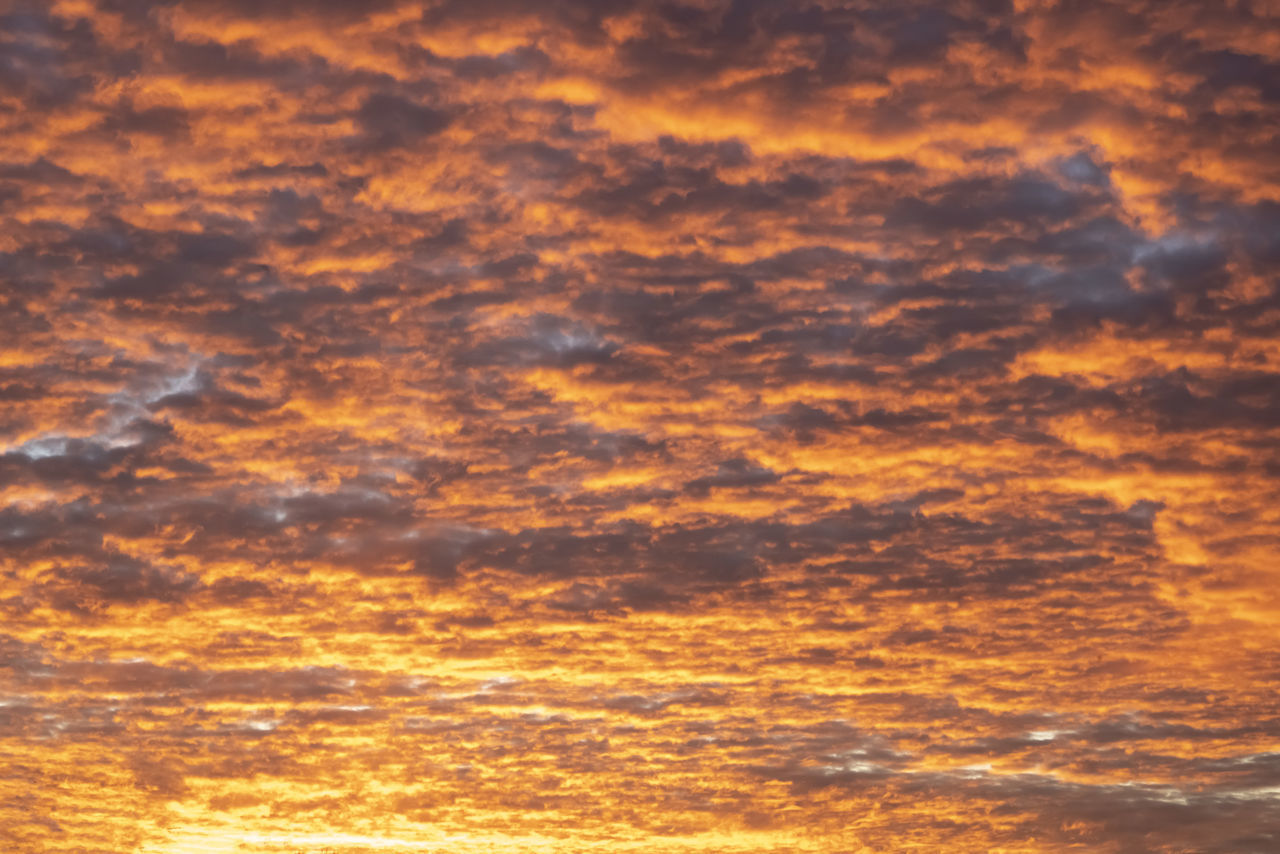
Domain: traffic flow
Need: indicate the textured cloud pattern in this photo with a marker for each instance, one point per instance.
(722, 426)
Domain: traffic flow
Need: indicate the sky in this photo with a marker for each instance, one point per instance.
(722, 426)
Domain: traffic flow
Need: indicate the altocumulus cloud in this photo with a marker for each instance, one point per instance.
(797, 426)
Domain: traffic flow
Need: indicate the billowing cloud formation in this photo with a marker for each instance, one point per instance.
(718, 426)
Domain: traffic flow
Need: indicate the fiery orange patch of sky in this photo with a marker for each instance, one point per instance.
(639, 426)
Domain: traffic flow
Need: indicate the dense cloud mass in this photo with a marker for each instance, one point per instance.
(725, 425)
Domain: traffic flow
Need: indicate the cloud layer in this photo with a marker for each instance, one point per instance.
(723, 426)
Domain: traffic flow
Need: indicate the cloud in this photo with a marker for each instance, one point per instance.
(657, 425)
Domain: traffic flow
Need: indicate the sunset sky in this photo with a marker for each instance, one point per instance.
(631, 426)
